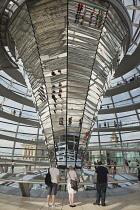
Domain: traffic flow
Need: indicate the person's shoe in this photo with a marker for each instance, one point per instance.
(53, 206)
(47, 205)
(104, 204)
(73, 205)
(96, 204)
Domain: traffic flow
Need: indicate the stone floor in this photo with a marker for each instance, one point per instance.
(127, 198)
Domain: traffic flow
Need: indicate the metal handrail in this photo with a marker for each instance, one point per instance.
(64, 183)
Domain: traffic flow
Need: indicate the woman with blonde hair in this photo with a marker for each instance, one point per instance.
(71, 175)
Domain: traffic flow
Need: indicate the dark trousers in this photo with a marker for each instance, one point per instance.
(101, 190)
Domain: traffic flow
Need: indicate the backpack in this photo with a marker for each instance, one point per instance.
(48, 178)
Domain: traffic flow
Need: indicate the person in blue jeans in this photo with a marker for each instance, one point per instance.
(101, 176)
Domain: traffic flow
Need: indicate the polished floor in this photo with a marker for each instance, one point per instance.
(127, 198)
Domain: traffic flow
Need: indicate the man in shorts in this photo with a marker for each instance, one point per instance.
(52, 189)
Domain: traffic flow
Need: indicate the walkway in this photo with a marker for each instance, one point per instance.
(19, 119)
(128, 63)
(13, 96)
(123, 88)
(122, 198)
(120, 109)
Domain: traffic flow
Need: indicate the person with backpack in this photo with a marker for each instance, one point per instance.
(52, 187)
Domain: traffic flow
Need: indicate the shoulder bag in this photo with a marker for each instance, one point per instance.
(74, 184)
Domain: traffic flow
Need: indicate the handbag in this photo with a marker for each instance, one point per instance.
(74, 184)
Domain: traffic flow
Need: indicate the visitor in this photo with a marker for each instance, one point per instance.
(60, 84)
(126, 166)
(86, 134)
(129, 163)
(101, 15)
(138, 174)
(61, 121)
(114, 171)
(52, 189)
(101, 176)
(109, 167)
(80, 7)
(70, 120)
(13, 166)
(91, 16)
(53, 73)
(59, 94)
(97, 18)
(115, 124)
(80, 123)
(71, 175)
(137, 163)
(77, 16)
(83, 17)
(108, 124)
(120, 123)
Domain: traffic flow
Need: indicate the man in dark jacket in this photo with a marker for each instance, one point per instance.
(101, 176)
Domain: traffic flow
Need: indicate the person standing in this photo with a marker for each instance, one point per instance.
(126, 166)
(13, 165)
(70, 120)
(71, 175)
(101, 176)
(52, 189)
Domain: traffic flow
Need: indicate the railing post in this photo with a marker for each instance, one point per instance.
(25, 189)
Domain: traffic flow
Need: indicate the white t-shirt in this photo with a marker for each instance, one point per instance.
(71, 175)
(54, 173)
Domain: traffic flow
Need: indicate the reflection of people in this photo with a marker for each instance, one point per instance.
(86, 134)
(91, 16)
(83, 17)
(13, 165)
(53, 73)
(71, 175)
(80, 122)
(59, 94)
(52, 189)
(60, 84)
(101, 176)
(61, 121)
(70, 120)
